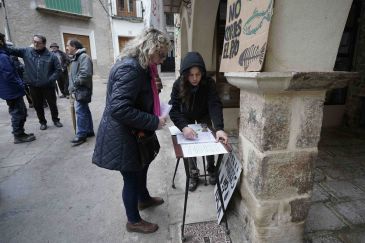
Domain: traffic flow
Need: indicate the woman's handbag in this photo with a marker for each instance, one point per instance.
(148, 147)
(83, 94)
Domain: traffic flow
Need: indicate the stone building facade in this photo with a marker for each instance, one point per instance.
(279, 110)
(88, 19)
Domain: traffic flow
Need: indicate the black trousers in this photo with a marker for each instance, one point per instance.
(63, 83)
(18, 113)
(49, 94)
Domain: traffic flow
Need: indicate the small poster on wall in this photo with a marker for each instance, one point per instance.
(246, 35)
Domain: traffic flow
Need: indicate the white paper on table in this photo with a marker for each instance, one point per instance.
(165, 109)
(174, 130)
(197, 127)
(203, 137)
(202, 149)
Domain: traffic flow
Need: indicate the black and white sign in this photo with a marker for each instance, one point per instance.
(229, 173)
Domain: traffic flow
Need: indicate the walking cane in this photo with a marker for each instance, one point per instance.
(73, 115)
(56, 84)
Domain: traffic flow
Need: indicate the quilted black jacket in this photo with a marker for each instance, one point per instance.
(129, 107)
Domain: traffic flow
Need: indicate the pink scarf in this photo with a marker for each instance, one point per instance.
(156, 98)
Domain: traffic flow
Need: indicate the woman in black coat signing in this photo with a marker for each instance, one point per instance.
(126, 139)
(194, 98)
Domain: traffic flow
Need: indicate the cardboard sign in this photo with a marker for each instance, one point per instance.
(229, 173)
(246, 34)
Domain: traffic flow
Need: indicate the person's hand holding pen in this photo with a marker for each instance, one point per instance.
(189, 133)
(221, 136)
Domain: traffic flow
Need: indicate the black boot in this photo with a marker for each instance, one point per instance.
(24, 138)
(194, 180)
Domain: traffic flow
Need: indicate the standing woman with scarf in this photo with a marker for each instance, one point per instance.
(126, 140)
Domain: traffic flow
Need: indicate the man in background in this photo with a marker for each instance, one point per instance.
(81, 85)
(42, 69)
(12, 90)
(63, 78)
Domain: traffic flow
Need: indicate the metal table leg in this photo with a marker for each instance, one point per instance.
(173, 179)
(205, 172)
(186, 166)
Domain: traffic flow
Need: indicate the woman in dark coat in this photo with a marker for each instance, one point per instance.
(194, 98)
(129, 116)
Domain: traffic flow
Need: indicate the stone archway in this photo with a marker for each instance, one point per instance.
(184, 38)
(204, 14)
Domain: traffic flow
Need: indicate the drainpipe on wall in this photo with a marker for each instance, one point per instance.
(7, 28)
(114, 44)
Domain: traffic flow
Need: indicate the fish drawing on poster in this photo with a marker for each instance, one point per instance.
(255, 22)
(252, 54)
(246, 35)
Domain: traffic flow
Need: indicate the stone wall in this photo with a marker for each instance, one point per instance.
(279, 134)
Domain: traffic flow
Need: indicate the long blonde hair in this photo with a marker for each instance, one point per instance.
(144, 45)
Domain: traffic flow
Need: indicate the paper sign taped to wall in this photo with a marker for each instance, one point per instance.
(246, 35)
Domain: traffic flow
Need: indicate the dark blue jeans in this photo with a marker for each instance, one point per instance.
(84, 120)
(18, 113)
(134, 190)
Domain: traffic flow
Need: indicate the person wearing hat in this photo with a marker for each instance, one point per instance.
(64, 61)
(12, 90)
(194, 98)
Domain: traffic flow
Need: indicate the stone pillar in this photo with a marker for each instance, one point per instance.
(280, 125)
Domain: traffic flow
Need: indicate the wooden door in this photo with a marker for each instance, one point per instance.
(84, 39)
(122, 41)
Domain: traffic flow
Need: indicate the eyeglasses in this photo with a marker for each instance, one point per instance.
(37, 42)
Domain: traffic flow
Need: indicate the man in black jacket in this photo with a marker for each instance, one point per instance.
(64, 61)
(42, 69)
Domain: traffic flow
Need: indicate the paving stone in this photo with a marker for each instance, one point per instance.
(322, 218)
(353, 237)
(319, 176)
(319, 194)
(322, 161)
(344, 190)
(336, 173)
(324, 239)
(360, 182)
(353, 211)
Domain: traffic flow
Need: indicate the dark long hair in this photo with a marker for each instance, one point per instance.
(186, 87)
